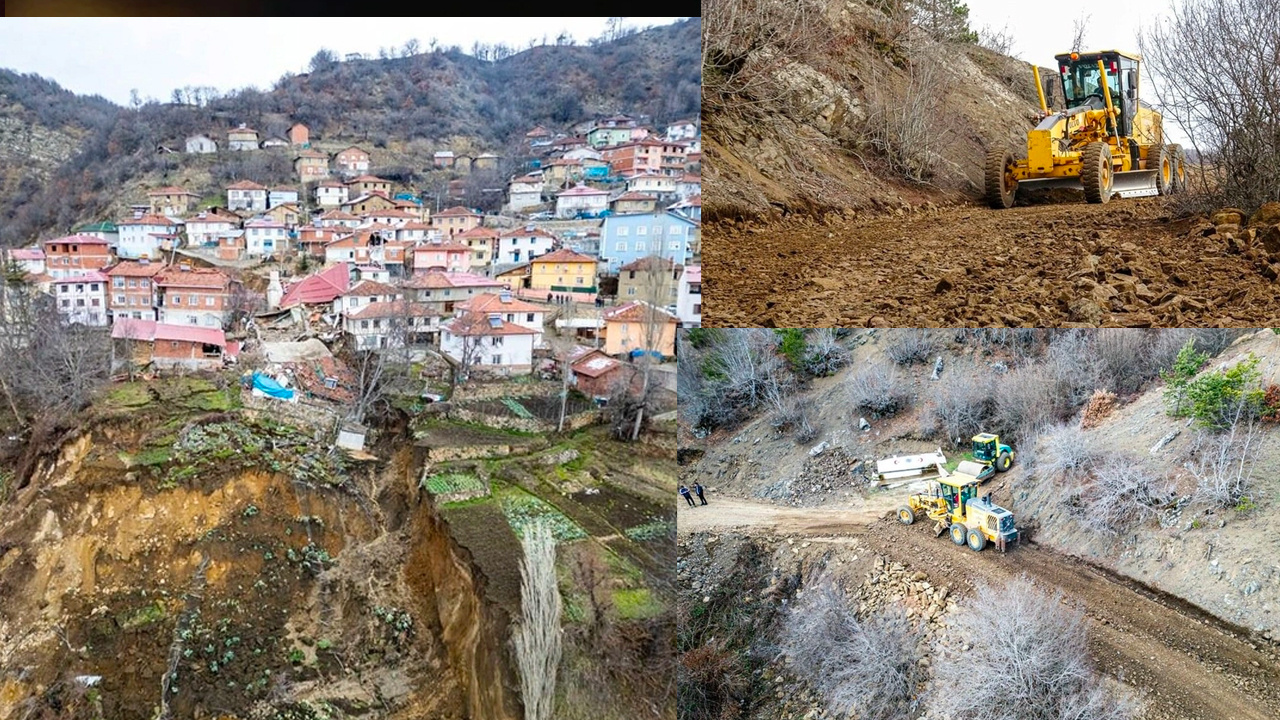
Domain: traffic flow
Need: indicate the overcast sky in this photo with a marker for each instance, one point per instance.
(1041, 30)
(110, 56)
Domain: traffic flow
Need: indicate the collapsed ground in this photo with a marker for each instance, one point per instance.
(1126, 263)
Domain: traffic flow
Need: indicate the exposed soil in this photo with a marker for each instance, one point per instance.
(1187, 663)
(1126, 263)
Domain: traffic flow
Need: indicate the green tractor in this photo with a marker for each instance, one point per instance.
(990, 452)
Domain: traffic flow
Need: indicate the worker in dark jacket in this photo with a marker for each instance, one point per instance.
(687, 496)
(697, 487)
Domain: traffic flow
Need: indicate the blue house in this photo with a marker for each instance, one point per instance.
(625, 238)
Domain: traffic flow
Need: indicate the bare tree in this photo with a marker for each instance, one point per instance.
(537, 638)
(1025, 655)
(961, 405)
(1079, 29)
(909, 345)
(1224, 463)
(866, 667)
(824, 354)
(1120, 493)
(878, 390)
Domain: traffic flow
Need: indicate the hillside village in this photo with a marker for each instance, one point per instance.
(597, 243)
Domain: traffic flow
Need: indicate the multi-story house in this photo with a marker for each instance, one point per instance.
(75, 255)
(82, 298)
(581, 200)
(146, 237)
(331, 193)
(311, 165)
(682, 130)
(442, 291)
(206, 227)
(508, 309)
(563, 271)
(689, 299)
(483, 242)
(201, 144)
(518, 246)
(441, 255)
(338, 218)
(172, 201)
(242, 138)
(641, 156)
(624, 238)
(652, 279)
(130, 292)
(352, 161)
(455, 220)
(488, 344)
(265, 237)
(247, 195)
(281, 196)
(525, 191)
(369, 185)
(639, 327)
(662, 186)
(192, 296)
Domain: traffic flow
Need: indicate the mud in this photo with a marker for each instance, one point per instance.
(1126, 263)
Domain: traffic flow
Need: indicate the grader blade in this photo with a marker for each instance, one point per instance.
(1135, 183)
(939, 528)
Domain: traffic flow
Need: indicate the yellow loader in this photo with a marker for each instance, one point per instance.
(1106, 141)
(953, 504)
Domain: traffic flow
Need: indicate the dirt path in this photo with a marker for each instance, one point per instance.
(1125, 263)
(1188, 664)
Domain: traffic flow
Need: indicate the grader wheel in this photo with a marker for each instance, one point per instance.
(1095, 173)
(1160, 159)
(1001, 185)
(958, 533)
(1179, 169)
(905, 516)
(977, 541)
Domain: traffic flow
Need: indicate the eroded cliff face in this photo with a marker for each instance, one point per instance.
(239, 593)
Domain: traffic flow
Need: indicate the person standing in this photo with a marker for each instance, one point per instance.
(684, 491)
(697, 487)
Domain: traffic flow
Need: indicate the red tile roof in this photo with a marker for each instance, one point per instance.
(477, 232)
(19, 254)
(370, 288)
(77, 240)
(594, 365)
(338, 215)
(126, 328)
(311, 154)
(417, 225)
(398, 308)
(392, 213)
(90, 277)
(246, 185)
(214, 217)
(646, 263)
(492, 302)
(636, 312)
(321, 287)
(438, 279)
(633, 195)
(478, 324)
(536, 232)
(447, 247)
(191, 333)
(148, 220)
(130, 268)
(367, 178)
(581, 190)
(195, 277)
(563, 255)
(457, 211)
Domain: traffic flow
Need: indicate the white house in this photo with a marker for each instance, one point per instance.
(145, 237)
(509, 308)
(390, 324)
(519, 246)
(201, 144)
(365, 292)
(581, 198)
(247, 195)
(488, 343)
(652, 184)
(416, 232)
(331, 193)
(29, 260)
(206, 227)
(688, 185)
(281, 196)
(265, 237)
(83, 298)
(525, 191)
(242, 138)
(682, 130)
(689, 297)
(583, 153)
(338, 218)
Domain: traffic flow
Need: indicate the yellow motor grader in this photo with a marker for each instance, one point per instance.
(1106, 141)
(953, 504)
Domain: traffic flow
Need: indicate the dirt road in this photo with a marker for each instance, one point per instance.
(1125, 263)
(1188, 664)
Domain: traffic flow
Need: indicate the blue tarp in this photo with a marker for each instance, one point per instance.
(638, 352)
(270, 387)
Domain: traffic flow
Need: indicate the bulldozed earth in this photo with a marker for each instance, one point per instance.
(1128, 263)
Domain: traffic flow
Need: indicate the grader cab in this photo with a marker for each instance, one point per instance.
(953, 504)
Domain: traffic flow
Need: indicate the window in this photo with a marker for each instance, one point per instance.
(208, 301)
(177, 299)
(528, 317)
(364, 324)
(79, 302)
(511, 317)
(117, 282)
(631, 290)
(193, 320)
(673, 245)
(66, 303)
(697, 308)
(639, 246)
(119, 299)
(496, 341)
(64, 288)
(80, 288)
(624, 328)
(695, 288)
(641, 230)
(96, 302)
(621, 247)
(622, 231)
(657, 229)
(146, 283)
(497, 359)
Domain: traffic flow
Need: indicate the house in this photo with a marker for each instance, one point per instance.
(411, 205)
(287, 214)
(146, 237)
(691, 208)
(352, 161)
(563, 271)
(230, 245)
(311, 165)
(247, 195)
(242, 138)
(205, 227)
(442, 291)
(441, 255)
(585, 243)
(322, 288)
(106, 230)
(455, 220)
(462, 162)
(82, 298)
(509, 308)
(28, 260)
(538, 137)
(365, 292)
(663, 186)
(689, 297)
(571, 142)
(130, 293)
(391, 324)
(624, 238)
(177, 346)
(338, 218)
(516, 246)
(682, 130)
(485, 161)
(483, 242)
(525, 191)
(611, 131)
(299, 135)
(594, 373)
(201, 144)
(414, 232)
(584, 153)
(281, 195)
(688, 185)
(312, 239)
(393, 257)
(581, 200)
(275, 141)
(442, 159)
(367, 204)
(172, 201)
(353, 248)
(487, 344)
(369, 185)
(651, 278)
(512, 276)
(330, 193)
(561, 172)
(643, 156)
(633, 202)
(75, 255)
(265, 237)
(393, 217)
(193, 296)
(639, 327)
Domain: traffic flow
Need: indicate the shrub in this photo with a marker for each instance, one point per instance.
(961, 406)
(878, 390)
(1185, 366)
(1218, 400)
(826, 355)
(868, 667)
(1065, 451)
(908, 346)
(792, 346)
(1027, 654)
(1223, 464)
(1025, 401)
(1121, 493)
(794, 416)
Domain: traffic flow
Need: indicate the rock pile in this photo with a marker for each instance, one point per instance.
(829, 475)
